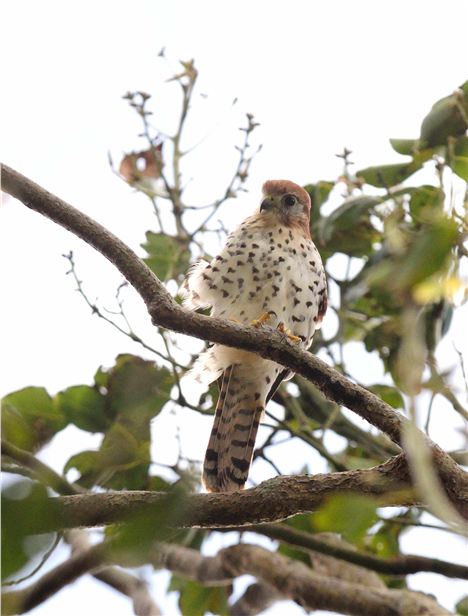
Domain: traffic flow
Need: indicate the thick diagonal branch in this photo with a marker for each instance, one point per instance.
(166, 312)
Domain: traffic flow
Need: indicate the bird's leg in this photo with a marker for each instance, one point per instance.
(263, 318)
(288, 333)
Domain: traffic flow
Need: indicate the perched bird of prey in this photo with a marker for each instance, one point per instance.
(269, 272)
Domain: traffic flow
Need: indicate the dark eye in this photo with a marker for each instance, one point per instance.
(289, 200)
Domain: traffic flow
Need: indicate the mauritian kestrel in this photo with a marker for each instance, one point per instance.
(268, 272)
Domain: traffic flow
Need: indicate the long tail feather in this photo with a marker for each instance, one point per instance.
(210, 466)
(230, 448)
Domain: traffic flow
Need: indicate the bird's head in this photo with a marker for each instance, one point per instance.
(288, 203)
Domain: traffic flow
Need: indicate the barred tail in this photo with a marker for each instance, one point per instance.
(238, 413)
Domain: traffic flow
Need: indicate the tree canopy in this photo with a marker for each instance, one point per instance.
(393, 248)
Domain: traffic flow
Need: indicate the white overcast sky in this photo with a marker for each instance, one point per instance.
(317, 75)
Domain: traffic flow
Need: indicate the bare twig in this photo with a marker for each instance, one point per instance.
(239, 177)
(97, 311)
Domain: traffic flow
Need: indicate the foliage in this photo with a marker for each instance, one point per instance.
(405, 241)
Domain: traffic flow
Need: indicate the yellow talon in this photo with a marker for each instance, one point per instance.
(288, 333)
(264, 318)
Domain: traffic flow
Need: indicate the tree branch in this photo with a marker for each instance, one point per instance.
(43, 472)
(256, 599)
(125, 583)
(21, 601)
(265, 342)
(294, 580)
(273, 500)
(286, 577)
(399, 565)
(402, 565)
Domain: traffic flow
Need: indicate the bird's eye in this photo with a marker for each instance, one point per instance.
(289, 200)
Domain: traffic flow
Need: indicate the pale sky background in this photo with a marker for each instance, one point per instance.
(318, 76)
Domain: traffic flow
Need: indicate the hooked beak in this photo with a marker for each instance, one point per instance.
(267, 204)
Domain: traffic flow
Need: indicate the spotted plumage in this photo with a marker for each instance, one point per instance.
(269, 264)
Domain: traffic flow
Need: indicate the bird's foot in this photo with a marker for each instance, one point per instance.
(288, 333)
(263, 319)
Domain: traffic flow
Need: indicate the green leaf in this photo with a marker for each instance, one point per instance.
(425, 201)
(458, 160)
(198, 600)
(30, 418)
(158, 484)
(349, 214)
(304, 522)
(385, 542)
(168, 256)
(143, 528)
(427, 254)
(23, 503)
(404, 146)
(424, 252)
(84, 462)
(84, 406)
(389, 394)
(332, 232)
(438, 317)
(294, 553)
(386, 176)
(101, 378)
(447, 118)
(462, 606)
(319, 194)
(137, 390)
(351, 515)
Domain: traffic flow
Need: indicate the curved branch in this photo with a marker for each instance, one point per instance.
(256, 599)
(122, 581)
(94, 559)
(43, 472)
(293, 580)
(20, 601)
(267, 343)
